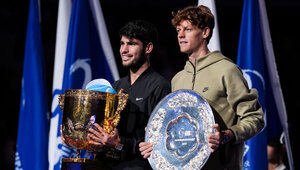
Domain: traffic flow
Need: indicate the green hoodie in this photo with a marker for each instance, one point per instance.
(235, 106)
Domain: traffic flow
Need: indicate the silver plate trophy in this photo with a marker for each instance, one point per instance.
(178, 129)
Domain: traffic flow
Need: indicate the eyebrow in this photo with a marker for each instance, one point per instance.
(129, 42)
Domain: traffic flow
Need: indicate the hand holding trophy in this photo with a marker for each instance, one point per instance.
(99, 104)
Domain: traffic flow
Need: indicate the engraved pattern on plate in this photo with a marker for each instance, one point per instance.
(178, 129)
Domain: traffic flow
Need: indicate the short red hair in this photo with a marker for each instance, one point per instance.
(199, 16)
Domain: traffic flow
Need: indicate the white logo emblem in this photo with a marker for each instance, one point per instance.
(83, 64)
(138, 99)
(248, 77)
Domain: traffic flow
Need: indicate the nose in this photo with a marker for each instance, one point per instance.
(124, 49)
(180, 34)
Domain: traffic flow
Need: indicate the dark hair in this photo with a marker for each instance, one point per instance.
(199, 16)
(276, 144)
(141, 30)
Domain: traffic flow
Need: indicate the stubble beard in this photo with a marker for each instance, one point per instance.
(136, 64)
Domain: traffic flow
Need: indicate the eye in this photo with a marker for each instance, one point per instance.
(132, 43)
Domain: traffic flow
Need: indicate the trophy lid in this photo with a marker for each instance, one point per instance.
(100, 85)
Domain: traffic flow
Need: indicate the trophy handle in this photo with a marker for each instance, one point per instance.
(61, 101)
(123, 97)
(122, 101)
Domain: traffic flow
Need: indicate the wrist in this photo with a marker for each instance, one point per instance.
(225, 136)
(119, 145)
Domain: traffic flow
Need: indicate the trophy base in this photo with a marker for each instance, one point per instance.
(80, 164)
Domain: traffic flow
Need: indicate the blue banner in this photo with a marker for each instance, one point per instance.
(251, 59)
(32, 142)
(86, 59)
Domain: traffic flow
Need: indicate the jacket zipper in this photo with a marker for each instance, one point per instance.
(194, 76)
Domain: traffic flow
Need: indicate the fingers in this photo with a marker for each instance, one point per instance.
(214, 138)
(96, 141)
(216, 127)
(95, 133)
(146, 149)
(99, 128)
(99, 131)
(146, 153)
(115, 132)
(101, 137)
(96, 136)
(213, 142)
(93, 139)
(144, 144)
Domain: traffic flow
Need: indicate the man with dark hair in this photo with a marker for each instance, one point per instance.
(237, 111)
(145, 88)
(276, 153)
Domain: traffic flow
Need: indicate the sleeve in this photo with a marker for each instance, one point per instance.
(244, 102)
(160, 93)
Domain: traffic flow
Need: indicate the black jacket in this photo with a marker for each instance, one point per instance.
(144, 94)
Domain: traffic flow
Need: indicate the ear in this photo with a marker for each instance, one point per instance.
(149, 48)
(206, 32)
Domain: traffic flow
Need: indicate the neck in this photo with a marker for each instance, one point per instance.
(135, 73)
(198, 54)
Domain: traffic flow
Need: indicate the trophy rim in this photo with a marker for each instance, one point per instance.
(79, 160)
(89, 93)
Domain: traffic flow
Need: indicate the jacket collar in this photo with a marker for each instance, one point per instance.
(149, 70)
(203, 62)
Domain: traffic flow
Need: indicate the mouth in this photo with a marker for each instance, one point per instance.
(183, 43)
(126, 57)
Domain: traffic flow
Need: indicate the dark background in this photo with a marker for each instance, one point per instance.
(284, 26)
